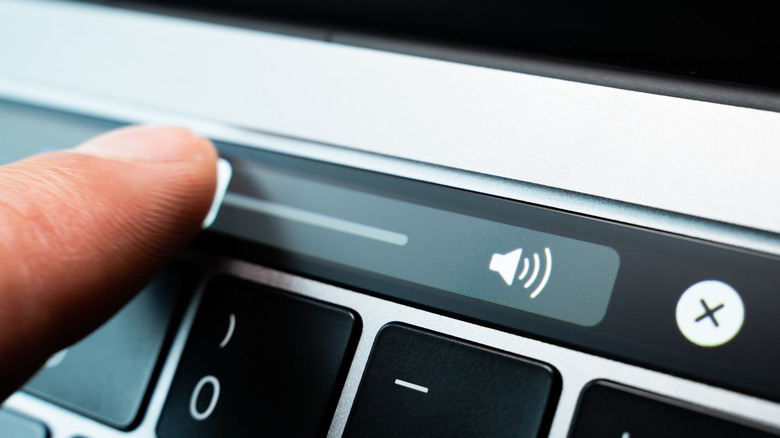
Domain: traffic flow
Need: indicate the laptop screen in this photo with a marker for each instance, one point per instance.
(411, 247)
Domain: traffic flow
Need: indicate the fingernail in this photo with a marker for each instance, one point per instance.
(148, 143)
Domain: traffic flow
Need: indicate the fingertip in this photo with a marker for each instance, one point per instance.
(151, 143)
(81, 229)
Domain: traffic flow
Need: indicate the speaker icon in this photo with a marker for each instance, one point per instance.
(507, 265)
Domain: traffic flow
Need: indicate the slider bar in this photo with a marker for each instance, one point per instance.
(315, 219)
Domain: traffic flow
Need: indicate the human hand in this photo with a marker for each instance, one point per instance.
(82, 230)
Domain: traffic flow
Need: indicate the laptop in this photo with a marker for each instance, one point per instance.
(443, 220)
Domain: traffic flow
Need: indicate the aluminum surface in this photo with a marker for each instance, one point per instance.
(696, 158)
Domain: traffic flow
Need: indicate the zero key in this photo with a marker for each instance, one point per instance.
(258, 362)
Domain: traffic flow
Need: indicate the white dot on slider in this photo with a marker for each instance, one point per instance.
(224, 173)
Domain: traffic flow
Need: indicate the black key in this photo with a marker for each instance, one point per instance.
(422, 384)
(609, 410)
(16, 426)
(258, 362)
(107, 375)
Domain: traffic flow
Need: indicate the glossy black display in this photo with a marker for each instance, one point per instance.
(640, 325)
(641, 321)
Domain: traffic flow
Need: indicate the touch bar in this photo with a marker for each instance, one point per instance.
(550, 275)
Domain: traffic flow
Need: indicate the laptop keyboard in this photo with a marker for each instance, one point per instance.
(261, 359)
(333, 301)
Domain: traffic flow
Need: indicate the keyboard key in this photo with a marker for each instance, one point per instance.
(422, 384)
(107, 375)
(258, 362)
(15, 426)
(609, 410)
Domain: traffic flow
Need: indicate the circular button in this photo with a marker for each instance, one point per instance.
(710, 313)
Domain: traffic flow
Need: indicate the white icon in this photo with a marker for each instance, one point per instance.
(625, 435)
(410, 385)
(710, 313)
(57, 358)
(230, 330)
(202, 415)
(507, 264)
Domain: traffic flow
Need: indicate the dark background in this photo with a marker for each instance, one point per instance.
(733, 42)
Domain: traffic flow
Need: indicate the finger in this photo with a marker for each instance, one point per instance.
(82, 230)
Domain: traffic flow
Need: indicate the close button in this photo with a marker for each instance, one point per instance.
(422, 384)
(710, 313)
